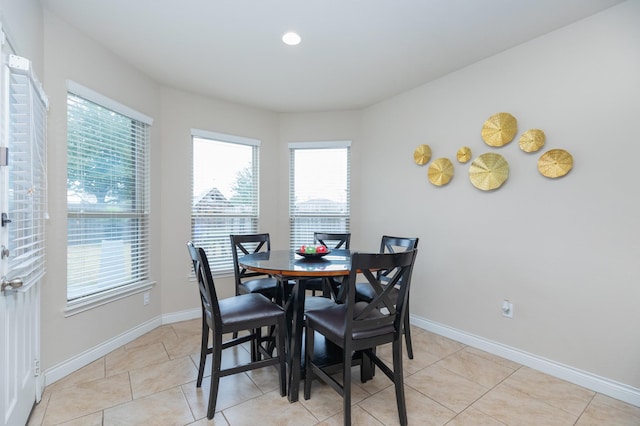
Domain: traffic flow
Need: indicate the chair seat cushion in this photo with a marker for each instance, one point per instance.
(317, 302)
(247, 308)
(265, 285)
(331, 322)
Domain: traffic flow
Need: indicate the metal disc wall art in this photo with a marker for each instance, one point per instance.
(489, 171)
(464, 154)
(532, 140)
(555, 163)
(422, 155)
(440, 171)
(499, 129)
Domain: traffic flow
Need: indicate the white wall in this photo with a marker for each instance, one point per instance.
(70, 55)
(563, 251)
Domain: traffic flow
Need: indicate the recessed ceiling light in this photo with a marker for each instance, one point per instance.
(291, 39)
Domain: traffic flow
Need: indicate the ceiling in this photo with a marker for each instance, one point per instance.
(354, 53)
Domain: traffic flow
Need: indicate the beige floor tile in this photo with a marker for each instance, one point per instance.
(86, 398)
(188, 328)
(555, 392)
(122, 359)
(421, 410)
(157, 372)
(159, 377)
(474, 417)
(608, 411)
(158, 335)
(168, 408)
(280, 413)
(326, 402)
(475, 368)
(514, 408)
(218, 420)
(379, 382)
(422, 358)
(267, 379)
(233, 390)
(184, 345)
(359, 417)
(94, 371)
(231, 357)
(94, 419)
(495, 358)
(446, 387)
(435, 344)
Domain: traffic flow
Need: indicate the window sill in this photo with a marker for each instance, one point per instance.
(91, 302)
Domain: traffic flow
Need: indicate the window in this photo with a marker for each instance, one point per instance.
(225, 194)
(107, 197)
(27, 128)
(318, 189)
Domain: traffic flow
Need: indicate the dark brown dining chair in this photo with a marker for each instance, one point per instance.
(250, 281)
(247, 312)
(364, 292)
(358, 326)
(332, 241)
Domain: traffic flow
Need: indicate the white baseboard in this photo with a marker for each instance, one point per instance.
(182, 316)
(617, 390)
(67, 367)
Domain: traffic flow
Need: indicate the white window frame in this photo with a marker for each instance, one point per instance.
(140, 277)
(335, 221)
(209, 229)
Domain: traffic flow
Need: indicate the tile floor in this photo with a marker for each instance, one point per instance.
(151, 381)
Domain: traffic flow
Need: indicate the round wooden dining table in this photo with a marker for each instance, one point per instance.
(287, 266)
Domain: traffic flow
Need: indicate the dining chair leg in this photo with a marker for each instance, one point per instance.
(216, 361)
(407, 336)
(399, 381)
(203, 350)
(308, 374)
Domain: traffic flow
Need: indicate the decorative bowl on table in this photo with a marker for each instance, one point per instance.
(312, 255)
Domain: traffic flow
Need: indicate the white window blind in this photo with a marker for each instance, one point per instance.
(225, 194)
(27, 128)
(107, 196)
(319, 189)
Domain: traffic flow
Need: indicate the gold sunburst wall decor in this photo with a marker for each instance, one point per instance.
(532, 140)
(488, 171)
(440, 171)
(464, 154)
(499, 129)
(555, 163)
(422, 155)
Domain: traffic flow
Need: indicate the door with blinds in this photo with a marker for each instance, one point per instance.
(23, 213)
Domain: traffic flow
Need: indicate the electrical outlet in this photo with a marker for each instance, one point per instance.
(146, 297)
(507, 309)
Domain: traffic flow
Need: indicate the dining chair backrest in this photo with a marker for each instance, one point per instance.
(243, 244)
(390, 244)
(383, 309)
(333, 240)
(208, 295)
